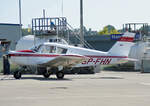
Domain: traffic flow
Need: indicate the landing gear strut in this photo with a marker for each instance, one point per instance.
(46, 72)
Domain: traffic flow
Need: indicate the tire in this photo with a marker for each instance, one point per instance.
(46, 75)
(60, 75)
(17, 75)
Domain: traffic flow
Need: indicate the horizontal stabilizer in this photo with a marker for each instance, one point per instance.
(131, 59)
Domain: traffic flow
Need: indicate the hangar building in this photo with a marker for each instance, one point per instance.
(10, 32)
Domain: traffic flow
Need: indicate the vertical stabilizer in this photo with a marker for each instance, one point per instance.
(123, 45)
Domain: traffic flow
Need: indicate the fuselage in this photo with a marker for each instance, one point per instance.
(33, 58)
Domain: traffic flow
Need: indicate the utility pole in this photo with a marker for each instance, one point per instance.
(44, 13)
(81, 23)
(43, 19)
(20, 23)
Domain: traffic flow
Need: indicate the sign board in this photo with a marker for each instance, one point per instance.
(115, 36)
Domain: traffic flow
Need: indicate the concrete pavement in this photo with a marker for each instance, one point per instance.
(102, 89)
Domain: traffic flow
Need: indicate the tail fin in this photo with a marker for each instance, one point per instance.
(122, 47)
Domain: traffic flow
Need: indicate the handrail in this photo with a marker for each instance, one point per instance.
(78, 37)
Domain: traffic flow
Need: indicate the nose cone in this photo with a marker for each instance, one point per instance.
(10, 57)
(10, 53)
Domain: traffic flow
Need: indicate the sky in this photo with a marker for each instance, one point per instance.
(97, 13)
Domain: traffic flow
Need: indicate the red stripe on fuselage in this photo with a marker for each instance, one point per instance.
(48, 55)
(33, 55)
(27, 51)
(107, 56)
(126, 39)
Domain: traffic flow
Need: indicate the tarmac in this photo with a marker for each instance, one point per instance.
(101, 89)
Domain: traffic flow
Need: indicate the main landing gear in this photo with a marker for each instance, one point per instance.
(46, 73)
(59, 74)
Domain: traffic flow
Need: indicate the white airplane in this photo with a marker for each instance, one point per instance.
(56, 58)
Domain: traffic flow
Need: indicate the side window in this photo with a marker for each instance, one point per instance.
(47, 49)
(61, 50)
(52, 49)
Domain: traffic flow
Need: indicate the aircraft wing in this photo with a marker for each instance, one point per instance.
(65, 61)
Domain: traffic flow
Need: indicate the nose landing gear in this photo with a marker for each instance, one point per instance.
(17, 74)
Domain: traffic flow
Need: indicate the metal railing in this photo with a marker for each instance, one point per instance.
(49, 26)
(55, 26)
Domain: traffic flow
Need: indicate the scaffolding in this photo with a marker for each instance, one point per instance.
(141, 28)
(49, 26)
(56, 26)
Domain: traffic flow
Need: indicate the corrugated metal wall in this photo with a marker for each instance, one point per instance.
(10, 32)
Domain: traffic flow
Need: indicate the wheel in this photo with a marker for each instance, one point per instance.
(17, 74)
(60, 75)
(46, 75)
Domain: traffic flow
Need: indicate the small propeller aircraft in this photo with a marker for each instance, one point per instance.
(56, 58)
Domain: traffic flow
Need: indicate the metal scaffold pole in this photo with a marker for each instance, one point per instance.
(81, 23)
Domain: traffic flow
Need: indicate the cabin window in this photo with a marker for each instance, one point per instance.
(47, 49)
(52, 49)
(61, 50)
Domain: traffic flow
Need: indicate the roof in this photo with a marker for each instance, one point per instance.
(10, 24)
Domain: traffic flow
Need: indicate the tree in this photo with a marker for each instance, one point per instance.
(114, 31)
(26, 31)
(107, 30)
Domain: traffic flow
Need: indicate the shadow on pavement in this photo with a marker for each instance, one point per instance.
(111, 78)
(45, 79)
(4, 78)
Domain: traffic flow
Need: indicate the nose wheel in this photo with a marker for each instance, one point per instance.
(17, 74)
